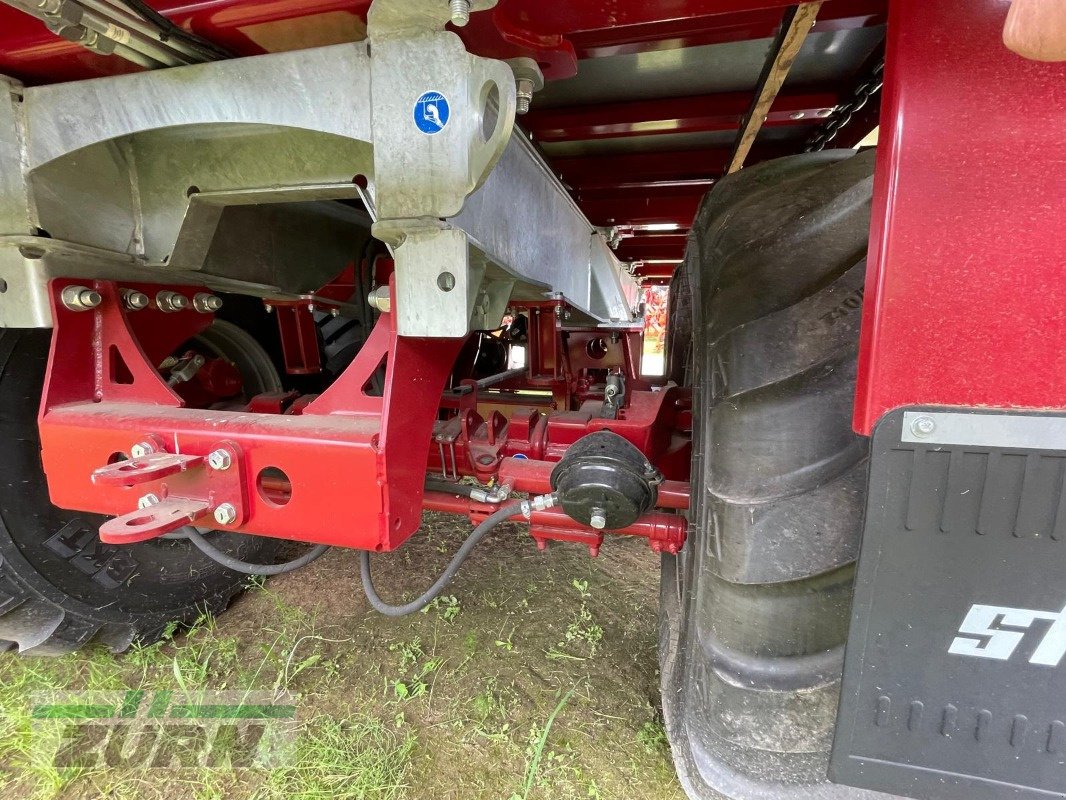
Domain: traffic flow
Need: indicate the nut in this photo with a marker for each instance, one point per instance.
(80, 298)
(206, 303)
(148, 500)
(134, 300)
(220, 459)
(168, 301)
(142, 449)
(523, 95)
(226, 514)
(380, 299)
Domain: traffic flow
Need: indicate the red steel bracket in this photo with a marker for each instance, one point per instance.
(154, 521)
(355, 462)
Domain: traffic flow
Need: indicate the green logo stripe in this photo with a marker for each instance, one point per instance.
(233, 712)
(73, 711)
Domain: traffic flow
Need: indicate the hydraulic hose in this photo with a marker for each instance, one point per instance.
(427, 597)
(237, 565)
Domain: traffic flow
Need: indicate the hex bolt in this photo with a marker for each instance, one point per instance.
(226, 514)
(460, 12)
(148, 500)
(206, 303)
(380, 299)
(80, 298)
(524, 89)
(923, 426)
(220, 459)
(135, 300)
(142, 449)
(598, 519)
(168, 301)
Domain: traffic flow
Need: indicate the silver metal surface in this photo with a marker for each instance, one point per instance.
(225, 175)
(1021, 431)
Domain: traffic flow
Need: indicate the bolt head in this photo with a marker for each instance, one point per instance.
(220, 459)
(141, 449)
(206, 303)
(226, 514)
(148, 500)
(923, 426)
(599, 519)
(135, 300)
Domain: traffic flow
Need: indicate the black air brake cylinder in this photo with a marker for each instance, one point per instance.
(605, 482)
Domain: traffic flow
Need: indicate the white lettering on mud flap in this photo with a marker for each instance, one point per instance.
(996, 631)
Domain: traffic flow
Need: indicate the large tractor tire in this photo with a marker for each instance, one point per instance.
(754, 612)
(60, 586)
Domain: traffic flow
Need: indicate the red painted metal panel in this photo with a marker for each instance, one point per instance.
(639, 208)
(719, 29)
(715, 112)
(546, 32)
(966, 287)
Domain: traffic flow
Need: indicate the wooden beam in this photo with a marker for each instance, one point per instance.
(795, 26)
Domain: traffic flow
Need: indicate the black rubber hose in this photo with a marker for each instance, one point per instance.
(169, 29)
(246, 567)
(427, 597)
(447, 487)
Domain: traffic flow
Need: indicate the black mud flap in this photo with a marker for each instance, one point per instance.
(955, 674)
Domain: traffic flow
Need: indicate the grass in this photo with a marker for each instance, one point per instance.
(534, 679)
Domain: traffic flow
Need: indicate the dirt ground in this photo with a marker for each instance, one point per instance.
(534, 677)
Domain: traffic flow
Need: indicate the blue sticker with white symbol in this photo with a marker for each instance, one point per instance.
(432, 112)
(521, 456)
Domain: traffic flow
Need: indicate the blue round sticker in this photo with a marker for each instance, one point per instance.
(432, 112)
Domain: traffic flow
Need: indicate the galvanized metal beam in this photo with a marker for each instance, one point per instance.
(144, 170)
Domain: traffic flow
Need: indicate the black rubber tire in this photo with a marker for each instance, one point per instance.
(754, 612)
(60, 587)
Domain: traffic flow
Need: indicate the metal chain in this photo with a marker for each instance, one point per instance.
(843, 113)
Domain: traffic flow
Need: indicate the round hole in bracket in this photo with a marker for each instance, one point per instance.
(273, 486)
(194, 189)
(596, 348)
(490, 109)
(114, 458)
(446, 281)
